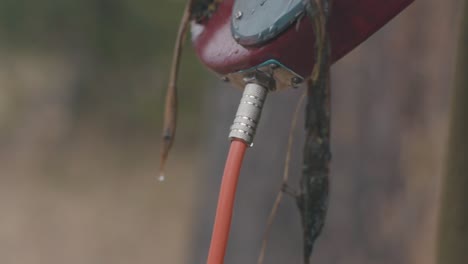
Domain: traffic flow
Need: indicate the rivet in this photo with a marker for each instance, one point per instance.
(296, 81)
(273, 66)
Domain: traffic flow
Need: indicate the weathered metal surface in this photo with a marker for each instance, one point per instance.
(255, 22)
(351, 23)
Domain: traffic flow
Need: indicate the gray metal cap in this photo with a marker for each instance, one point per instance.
(257, 21)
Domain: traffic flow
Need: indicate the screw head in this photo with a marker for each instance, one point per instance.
(239, 15)
(273, 66)
(296, 81)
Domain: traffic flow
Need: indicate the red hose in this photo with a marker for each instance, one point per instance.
(226, 198)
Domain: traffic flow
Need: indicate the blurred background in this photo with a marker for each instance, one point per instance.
(82, 85)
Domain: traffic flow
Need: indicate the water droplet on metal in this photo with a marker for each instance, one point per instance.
(262, 2)
(261, 36)
(272, 29)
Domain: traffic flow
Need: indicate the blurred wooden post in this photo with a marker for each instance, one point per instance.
(453, 226)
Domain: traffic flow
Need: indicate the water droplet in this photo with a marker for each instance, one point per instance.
(260, 36)
(262, 2)
(161, 178)
(272, 29)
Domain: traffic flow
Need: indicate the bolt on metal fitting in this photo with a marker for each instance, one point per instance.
(249, 112)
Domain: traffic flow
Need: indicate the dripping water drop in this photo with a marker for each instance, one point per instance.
(161, 178)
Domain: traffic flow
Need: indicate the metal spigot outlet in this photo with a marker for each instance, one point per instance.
(248, 113)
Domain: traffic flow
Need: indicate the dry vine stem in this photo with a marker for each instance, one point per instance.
(170, 111)
(284, 183)
(312, 198)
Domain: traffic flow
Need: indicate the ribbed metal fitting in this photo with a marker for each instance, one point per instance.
(249, 112)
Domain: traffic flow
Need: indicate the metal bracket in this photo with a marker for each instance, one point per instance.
(265, 73)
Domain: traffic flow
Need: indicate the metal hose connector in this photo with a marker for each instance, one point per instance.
(249, 112)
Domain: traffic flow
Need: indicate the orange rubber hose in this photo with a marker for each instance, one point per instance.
(226, 198)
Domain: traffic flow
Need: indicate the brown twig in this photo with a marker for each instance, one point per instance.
(170, 111)
(279, 196)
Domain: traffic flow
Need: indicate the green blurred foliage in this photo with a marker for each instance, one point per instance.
(114, 29)
(121, 51)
